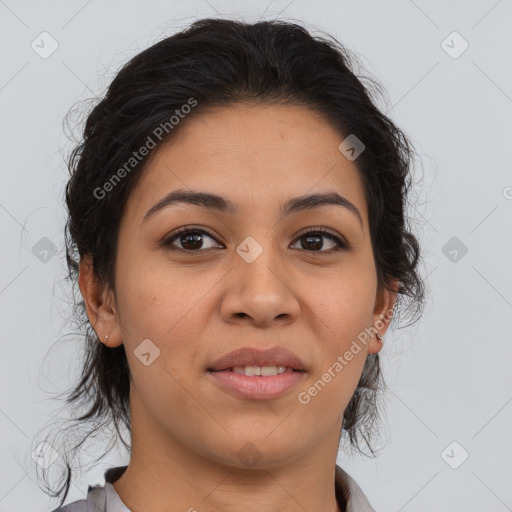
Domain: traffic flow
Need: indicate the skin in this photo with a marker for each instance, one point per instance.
(186, 431)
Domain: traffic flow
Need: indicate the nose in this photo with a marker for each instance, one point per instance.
(259, 292)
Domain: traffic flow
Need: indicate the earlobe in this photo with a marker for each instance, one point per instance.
(98, 304)
(382, 315)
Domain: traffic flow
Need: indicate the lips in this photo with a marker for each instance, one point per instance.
(276, 356)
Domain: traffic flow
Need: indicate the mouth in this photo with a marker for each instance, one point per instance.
(254, 374)
(257, 383)
(258, 371)
(251, 361)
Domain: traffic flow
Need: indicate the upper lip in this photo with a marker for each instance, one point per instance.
(276, 356)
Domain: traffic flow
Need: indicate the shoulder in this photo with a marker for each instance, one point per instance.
(355, 498)
(97, 496)
(76, 506)
(95, 502)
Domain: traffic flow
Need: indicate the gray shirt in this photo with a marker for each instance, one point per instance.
(104, 498)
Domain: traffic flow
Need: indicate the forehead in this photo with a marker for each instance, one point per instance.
(256, 155)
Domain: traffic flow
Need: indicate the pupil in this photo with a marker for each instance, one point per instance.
(196, 237)
(317, 245)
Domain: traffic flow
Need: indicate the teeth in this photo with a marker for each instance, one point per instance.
(264, 371)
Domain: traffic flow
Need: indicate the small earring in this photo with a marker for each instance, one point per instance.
(106, 337)
(379, 337)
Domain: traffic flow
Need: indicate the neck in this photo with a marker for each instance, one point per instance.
(164, 475)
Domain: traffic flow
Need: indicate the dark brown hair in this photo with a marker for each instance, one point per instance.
(220, 62)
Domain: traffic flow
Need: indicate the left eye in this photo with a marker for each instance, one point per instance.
(191, 240)
(314, 239)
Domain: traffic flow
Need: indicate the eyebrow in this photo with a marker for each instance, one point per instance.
(221, 204)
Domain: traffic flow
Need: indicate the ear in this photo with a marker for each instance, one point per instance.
(99, 304)
(382, 314)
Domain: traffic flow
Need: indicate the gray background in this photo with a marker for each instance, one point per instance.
(449, 375)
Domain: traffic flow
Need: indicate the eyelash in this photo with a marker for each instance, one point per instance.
(340, 243)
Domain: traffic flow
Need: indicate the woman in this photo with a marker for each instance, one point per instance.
(237, 230)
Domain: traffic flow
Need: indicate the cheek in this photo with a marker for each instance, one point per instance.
(344, 303)
(153, 299)
(343, 308)
(342, 313)
(167, 307)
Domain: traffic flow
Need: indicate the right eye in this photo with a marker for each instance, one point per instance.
(191, 240)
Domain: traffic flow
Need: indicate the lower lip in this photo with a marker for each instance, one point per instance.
(257, 387)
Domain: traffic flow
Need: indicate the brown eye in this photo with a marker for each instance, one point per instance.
(191, 240)
(312, 241)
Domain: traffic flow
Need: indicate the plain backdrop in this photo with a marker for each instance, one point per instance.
(446, 67)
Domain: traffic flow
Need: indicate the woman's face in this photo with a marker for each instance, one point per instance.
(250, 277)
